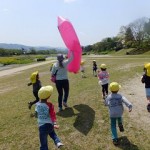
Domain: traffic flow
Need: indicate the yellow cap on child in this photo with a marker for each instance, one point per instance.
(45, 92)
(103, 66)
(33, 76)
(114, 87)
(147, 67)
(82, 62)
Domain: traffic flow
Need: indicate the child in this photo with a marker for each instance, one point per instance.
(115, 103)
(36, 83)
(82, 69)
(44, 111)
(94, 68)
(103, 77)
(146, 79)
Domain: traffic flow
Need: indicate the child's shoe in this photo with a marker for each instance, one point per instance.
(59, 144)
(115, 141)
(121, 128)
(29, 105)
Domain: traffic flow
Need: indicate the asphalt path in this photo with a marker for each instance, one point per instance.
(18, 69)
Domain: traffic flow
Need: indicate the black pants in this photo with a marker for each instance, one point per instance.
(63, 91)
(36, 96)
(105, 89)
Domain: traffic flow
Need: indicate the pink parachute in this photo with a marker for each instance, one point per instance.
(71, 41)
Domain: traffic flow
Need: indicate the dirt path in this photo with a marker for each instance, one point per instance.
(18, 69)
(134, 90)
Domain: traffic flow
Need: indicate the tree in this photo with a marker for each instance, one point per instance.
(137, 28)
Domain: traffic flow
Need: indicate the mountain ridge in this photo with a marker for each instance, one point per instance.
(21, 46)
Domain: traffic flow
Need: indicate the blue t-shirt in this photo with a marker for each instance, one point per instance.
(43, 115)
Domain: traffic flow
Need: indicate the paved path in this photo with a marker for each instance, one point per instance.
(14, 70)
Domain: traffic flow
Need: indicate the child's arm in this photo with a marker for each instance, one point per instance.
(127, 103)
(143, 79)
(29, 84)
(53, 115)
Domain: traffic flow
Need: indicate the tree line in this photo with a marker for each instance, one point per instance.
(135, 35)
(31, 51)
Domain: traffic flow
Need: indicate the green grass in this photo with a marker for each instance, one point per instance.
(85, 125)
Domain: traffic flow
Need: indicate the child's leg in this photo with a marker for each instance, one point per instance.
(43, 137)
(37, 98)
(113, 128)
(106, 88)
(103, 91)
(35, 101)
(120, 124)
(54, 136)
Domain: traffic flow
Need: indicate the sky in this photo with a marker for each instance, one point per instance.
(34, 22)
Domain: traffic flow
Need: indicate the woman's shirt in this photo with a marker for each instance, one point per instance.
(62, 73)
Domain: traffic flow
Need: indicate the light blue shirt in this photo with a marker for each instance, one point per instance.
(115, 103)
(43, 115)
(62, 72)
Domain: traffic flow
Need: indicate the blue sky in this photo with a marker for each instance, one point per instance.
(34, 22)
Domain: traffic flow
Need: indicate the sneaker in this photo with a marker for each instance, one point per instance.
(121, 128)
(65, 104)
(59, 144)
(115, 141)
(29, 105)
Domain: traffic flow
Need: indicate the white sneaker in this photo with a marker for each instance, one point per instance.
(59, 144)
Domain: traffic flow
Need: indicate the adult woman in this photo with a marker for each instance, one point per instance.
(62, 82)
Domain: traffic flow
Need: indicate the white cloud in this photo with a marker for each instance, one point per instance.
(69, 1)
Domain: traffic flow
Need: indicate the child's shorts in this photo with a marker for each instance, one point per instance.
(147, 90)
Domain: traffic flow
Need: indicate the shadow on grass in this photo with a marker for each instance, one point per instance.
(68, 112)
(125, 144)
(85, 118)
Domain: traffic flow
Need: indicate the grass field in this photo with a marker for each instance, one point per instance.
(83, 126)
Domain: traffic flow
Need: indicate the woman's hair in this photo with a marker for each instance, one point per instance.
(61, 64)
(60, 59)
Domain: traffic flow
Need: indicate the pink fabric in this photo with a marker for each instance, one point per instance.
(71, 41)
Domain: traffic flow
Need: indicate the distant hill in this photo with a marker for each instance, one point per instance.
(20, 46)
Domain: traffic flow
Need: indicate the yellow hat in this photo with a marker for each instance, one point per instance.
(33, 77)
(147, 67)
(103, 66)
(114, 87)
(94, 60)
(82, 62)
(45, 92)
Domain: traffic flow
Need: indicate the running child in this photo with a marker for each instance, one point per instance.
(146, 80)
(46, 117)
(36, 83)
(103, 77)
(115, 102)
(94, 68)
(82, 69)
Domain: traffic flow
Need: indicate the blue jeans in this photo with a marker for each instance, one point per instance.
(113, 126)
(44, 131)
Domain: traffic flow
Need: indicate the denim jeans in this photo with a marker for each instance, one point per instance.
(113, 126)
(44, 131)
(63, 91)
